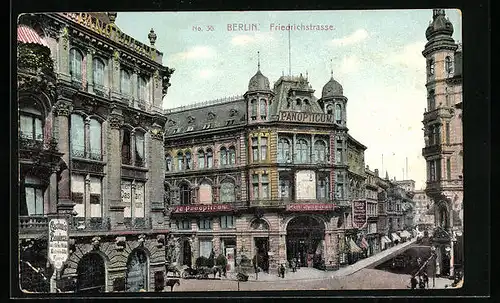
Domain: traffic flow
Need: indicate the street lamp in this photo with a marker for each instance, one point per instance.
(433, 249)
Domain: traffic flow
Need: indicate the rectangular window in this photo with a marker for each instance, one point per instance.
(322, 189)
(263, 148)
(78, 194)
(227, 222)
(265, 186)
(126, 189)
(31, 128)
(206, 247)
(34, 200)
(139, 149)
(95, 197)
(205, 224)
(338, 153)
(201, 160)
(139, 200)
(255, 186)
(447, 130)
(339, 191)
(255, 150)
(184, 225)
(448, 169)
(284, 191)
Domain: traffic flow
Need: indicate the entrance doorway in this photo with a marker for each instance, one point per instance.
(261, 253)
(303, 241)
(91, 274)
(186, 252)
(137, 271)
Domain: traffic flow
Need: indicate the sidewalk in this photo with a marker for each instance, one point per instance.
(363, 263)
(307, 273)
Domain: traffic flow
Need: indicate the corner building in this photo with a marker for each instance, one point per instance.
(263, 174)
(443, 137)
(91, 151)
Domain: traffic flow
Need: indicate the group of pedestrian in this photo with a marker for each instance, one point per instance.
(422, 282)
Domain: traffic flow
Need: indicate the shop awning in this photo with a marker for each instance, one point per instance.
(405, 234)
(395, 237)
(354, 247)
(385, 240)
(26, 34)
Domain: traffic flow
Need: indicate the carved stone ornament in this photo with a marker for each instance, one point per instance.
(116, 60)
(63, 108)
(65, 38)
(211, 116)
(141, 239)
(233, 112)
(157, 78)
(120, 243)
(157, 133)
(115, 121)
(96, 242)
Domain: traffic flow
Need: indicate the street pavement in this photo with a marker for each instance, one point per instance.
(355, 276)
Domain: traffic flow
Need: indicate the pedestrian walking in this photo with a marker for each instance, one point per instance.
(282, 271)
(419, 261)
(426, 279)
(413, 282)
(293, 264)
(421, 283)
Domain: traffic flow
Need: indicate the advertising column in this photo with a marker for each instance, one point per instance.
(58, 249)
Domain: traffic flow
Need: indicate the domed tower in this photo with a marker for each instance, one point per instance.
(333, 101)
(258, 97)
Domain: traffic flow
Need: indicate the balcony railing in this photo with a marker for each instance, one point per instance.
(137, 223)
(28, 141)
(445, 112)
(93, 224)
(33, 223)
(267, 203)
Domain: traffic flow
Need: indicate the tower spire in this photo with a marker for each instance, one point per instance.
(258, 60)
(331, 68)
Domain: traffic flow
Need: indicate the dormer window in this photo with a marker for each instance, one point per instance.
(253, 109)
(338, 114)
(298, 104)
(329, 109)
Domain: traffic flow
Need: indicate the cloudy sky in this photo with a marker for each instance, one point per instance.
(375, 55)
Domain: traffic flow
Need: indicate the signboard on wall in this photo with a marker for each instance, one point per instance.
(58, 249)
(289, 116)
(201, 208)
(309, 207)
(358, 213)
(305, 184)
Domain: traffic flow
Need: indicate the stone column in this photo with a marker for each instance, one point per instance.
(116, 206)
(63, 109)
(87, 137)
(90, 70)
(311, 151)
(63, 53)
(156, 164)
(282, 247)
(53, 192)
(114, 74)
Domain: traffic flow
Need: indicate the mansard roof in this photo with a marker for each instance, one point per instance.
(217, 114)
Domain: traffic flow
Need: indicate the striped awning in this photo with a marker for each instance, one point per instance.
(385, 239)
(395, 237)
(354, 248)
(405, 234)
(26, 34)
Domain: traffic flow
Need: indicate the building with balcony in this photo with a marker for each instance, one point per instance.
(270, 173)
(90, 143)
(443, 137)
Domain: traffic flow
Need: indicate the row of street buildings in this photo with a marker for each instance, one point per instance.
(273, 173)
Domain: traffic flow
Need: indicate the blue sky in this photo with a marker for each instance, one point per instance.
(375, 55)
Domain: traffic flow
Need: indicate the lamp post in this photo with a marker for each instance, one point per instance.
(433, 249)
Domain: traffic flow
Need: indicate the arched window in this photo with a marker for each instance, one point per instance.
(139, 149)
(76, 62)
(188, 160)
(168, 162)
(205, 193)
(306, 105)
(302, 151)
(284, 150)
(227, 192)
(210, 158)
(298, 104)
(180, 161)
(98, 73)
(126, 146)
(329, 109)
(320, 151)
(125, 83)
(448, 65)
(432, 100)
(77, 136)
(185, 194)
(263, 109)
(95, 140)
(232, 155)
(431, 65)
(253, 109)
(201, 159)
(223, 156)
(31, 126)
(338, 114)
